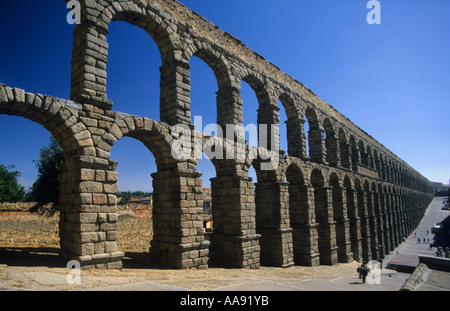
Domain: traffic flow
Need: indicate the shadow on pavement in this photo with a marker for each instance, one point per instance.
(49, 257)
(31, 257)
(442, 238)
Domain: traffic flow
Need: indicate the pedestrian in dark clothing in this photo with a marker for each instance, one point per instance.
(363, 271)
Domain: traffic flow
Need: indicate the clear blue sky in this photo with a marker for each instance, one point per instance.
(392, 79)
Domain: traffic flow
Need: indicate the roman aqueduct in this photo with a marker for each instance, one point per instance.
(348, 198)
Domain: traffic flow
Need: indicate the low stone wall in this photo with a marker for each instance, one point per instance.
(415, 279)
(19, 206)
(436, 263)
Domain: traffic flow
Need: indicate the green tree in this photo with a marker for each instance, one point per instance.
(10, 190)
(45, 189)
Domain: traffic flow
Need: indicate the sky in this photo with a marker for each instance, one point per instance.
(391, 79)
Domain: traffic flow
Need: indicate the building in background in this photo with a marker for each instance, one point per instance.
(441, 189)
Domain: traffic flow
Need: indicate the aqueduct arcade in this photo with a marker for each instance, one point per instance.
(335, 195)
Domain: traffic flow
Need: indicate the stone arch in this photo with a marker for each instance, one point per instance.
(288, 102)
(268, 117)
(369, 155)
(394, 171)
(397, 174)
(84, 197)
(344, 149)
(294, 126)
(389, 216)
(334, 181)
(259, 86)
(234, 158)
(355, 156)
(229, 101)
(374, 211)
(364, 217)
(298, 210)
(272, 216)
(382, 172)
(266, 175)
(396, 237)
(153, 134)
(402, 175)
(324, 218)
(216, 61)
(398, 211)
(56, 115)
(317, 179)
(234, 212)
(383, 229)
(340, 217)
(376, 163)
(294, 174)
(331, 143)
(300, 215)
(143, 17)
(174, 183)
(353, 216)
(388, 169)
(363, 153)
(90, 53)
(369, 215)
(315, 137)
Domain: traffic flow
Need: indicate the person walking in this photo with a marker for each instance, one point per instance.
(363, 271)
